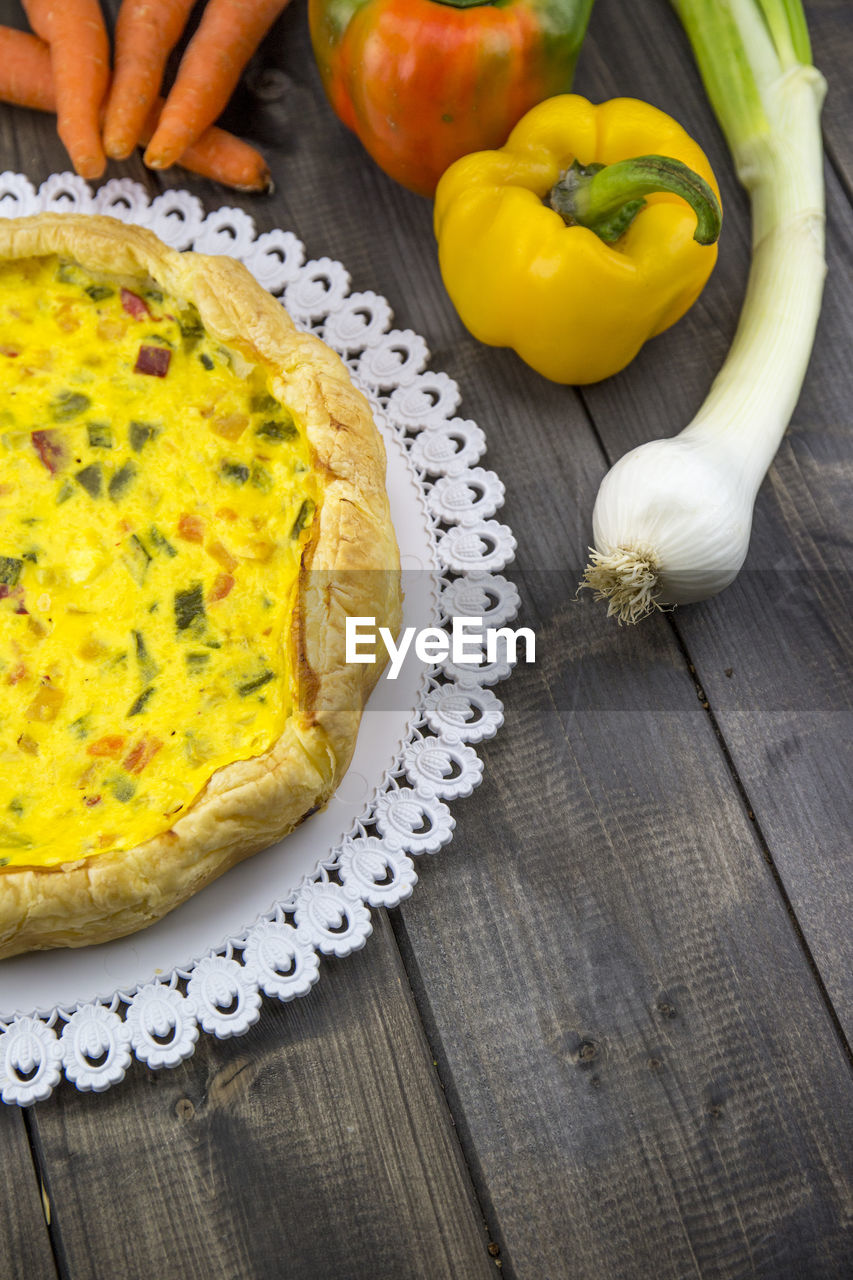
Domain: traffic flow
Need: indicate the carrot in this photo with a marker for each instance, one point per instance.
(227, 36)
(80, 62)
(219, 155)
(25, 76)
(145, 35)
(26, 81)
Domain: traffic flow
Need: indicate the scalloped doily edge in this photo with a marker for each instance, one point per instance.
(328, 913)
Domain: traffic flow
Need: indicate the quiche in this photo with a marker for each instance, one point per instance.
(192, 500)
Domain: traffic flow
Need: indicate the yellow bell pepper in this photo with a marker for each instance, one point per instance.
(578, 284)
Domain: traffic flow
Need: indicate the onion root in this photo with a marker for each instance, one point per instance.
(628, 580)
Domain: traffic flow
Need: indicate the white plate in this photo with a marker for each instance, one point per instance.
(41, 981)
(260, 929)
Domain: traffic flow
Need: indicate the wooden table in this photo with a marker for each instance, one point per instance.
(609, 1034)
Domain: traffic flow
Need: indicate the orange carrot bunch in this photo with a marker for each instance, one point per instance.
(65, 67)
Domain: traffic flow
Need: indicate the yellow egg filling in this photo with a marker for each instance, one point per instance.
(155, 498)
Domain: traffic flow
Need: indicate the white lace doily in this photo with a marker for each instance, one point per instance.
(448, 503)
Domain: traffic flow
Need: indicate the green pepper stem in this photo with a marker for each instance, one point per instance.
(607, 198)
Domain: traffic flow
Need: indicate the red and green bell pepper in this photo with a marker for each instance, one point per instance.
(422, 82)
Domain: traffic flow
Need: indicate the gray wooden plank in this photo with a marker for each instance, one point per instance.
(641, 1075)
(317, 1145)
(25, 1252)
(831, 28)
(772, 653)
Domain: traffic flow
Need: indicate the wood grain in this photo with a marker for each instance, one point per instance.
(25, 1252)
(319, 1144)
(648, 1085)
(831, 29)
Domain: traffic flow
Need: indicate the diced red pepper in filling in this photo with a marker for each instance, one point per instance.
(91, 801)
(133, 304)
(153, 360)
(191, 528)
(142, 754)
(222, 584)
(111, 745)
(50, 447)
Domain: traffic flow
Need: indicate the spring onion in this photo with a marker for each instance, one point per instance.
(672, 518)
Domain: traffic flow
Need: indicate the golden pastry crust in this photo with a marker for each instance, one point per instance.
(351, 567)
